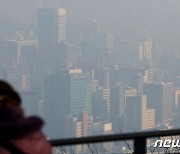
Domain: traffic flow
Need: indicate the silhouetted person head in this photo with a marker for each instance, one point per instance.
(17, 130)
(8, 96)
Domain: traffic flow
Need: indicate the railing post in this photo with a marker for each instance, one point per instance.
(140, 146)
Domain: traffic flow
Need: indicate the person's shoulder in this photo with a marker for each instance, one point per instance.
(34, 142)
(3, 150)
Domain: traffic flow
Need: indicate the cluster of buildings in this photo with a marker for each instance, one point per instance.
(84, 82)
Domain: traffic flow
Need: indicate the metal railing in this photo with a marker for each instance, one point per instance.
(139, 139)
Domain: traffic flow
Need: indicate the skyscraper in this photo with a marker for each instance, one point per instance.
(119, 95)
(9, 53)
(61, 24)
(77, 126)
(160, 98)
(73, 129)
(135, 113)
(150, 118)
(51, 26)
(74, 54)
(138, 117)
(47, 27)
(145, 50)
(110, 42)
(176, 98)
(27, 61)
(68, 92)
(51, 35)
(105, 96)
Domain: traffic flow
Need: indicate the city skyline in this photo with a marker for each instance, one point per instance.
(94, 73)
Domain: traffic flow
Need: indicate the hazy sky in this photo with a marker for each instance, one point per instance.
(103, 9)
(161, 16)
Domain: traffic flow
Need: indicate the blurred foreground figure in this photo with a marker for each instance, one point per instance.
(18, 134)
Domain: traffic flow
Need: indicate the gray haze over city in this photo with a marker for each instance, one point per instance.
(94, 67)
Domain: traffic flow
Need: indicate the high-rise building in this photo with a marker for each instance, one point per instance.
(47, 32)
(61, 24)
(83, 117)
(138, 117)
(150, 118)
(74, 54)
(77, 126)
(103, 76)
(9, 53)
(68, 92)
(110, 42)
(129, 91)
(47, 27)
(25, 49)
(105, 96)
(51, 26)
(177, 98)
(160, 98)
(149, 67)
(145, 50)
(51, 34)
(19, 56)
(119, 95)
(73, 129)
(61, 57)
(137, 82)
(14, 77)
(135, 113)
(27, 61)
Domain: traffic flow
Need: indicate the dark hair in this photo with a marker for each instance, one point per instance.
(6, 90)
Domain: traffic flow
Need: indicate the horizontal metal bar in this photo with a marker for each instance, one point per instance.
(114, 137)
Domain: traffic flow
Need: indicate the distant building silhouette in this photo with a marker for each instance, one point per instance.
(9, 50)
(177, 98)
(51, 26)
(119, 95)
(138, 117)
(51, 30)
(160, 98)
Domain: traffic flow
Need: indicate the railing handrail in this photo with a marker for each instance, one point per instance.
(114, 137)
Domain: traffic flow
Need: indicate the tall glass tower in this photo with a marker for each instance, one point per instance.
(47, 28)
(68, 92)
(51, 30)
(51, 26)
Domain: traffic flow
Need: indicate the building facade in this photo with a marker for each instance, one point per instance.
(68, 92)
